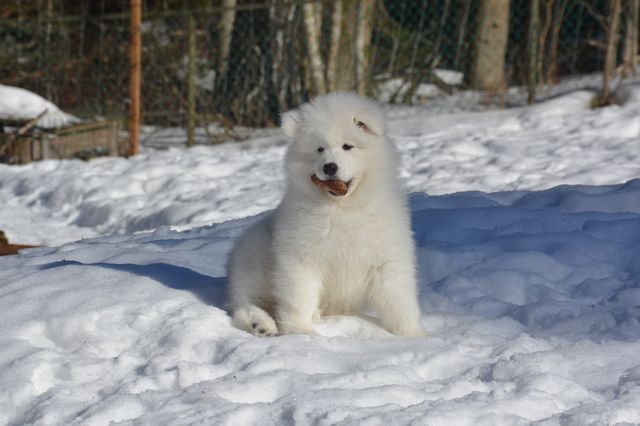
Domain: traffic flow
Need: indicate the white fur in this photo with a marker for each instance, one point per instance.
(320, 254)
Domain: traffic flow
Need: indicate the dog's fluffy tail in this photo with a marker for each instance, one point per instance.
(254, 320)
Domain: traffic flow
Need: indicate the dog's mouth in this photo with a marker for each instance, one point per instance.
(335, 187)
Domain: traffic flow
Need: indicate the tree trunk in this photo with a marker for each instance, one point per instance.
(542, 40)
(491, 44)
(613, 23)
(352, 60)
(47, 40)
(461, 34)
(552, 70)
(363, 44)
(631, 38)
(336, 33)
(396, 40)
(191, 82)
(280, 17)
(312, 28)
(345, 63)
(532, 64)
(225, 29)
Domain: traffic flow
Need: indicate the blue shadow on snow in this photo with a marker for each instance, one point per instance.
(210, 290)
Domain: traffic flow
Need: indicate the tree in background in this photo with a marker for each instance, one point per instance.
(491, 43)
(532, 43)
(254, 59)
(549, 39)
(630, 55)
(345, 64)
(346, 60)
(363, 44)
(225, 29)
(605, 97)
(313, 31)
(334, 44)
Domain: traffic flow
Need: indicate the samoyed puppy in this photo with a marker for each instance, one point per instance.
(340, 241)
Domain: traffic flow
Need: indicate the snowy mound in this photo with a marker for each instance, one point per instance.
(555, 142)
(23, 105)
(531, 299)
(398, 87)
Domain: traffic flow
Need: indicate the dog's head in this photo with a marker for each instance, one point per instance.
(338, 142)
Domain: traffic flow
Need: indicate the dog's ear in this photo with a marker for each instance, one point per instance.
(369, 122)
(291, 122)
(360, 124)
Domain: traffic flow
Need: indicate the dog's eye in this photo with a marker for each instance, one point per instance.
(320, 149)
(347, 147)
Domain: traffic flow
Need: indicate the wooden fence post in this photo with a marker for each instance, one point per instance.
(134, 77)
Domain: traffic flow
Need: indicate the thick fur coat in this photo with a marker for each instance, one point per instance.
(321, 253)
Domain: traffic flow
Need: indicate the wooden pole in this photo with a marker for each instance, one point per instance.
(134, 77)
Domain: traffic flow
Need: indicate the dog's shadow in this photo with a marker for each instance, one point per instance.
(210, 290)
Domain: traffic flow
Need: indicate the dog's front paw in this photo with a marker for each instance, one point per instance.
(265, 327)
(255, 321)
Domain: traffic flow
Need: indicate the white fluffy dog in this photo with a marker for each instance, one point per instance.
(340, 241)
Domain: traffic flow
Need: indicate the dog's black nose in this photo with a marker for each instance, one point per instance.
(330, 169)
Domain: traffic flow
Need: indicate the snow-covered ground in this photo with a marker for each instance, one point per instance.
(557, 141)
(531, 295)
(531, 299)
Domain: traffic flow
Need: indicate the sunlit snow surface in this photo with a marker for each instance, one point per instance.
(531, 297)
(555, 142)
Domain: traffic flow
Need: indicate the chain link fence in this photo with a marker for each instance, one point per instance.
(246, 61)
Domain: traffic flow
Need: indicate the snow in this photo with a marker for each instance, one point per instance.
(530, 291)
(22, 105)
(554, 142)
(397, 86)
(531, 299)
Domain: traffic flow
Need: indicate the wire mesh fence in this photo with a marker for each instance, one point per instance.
(243, 62)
